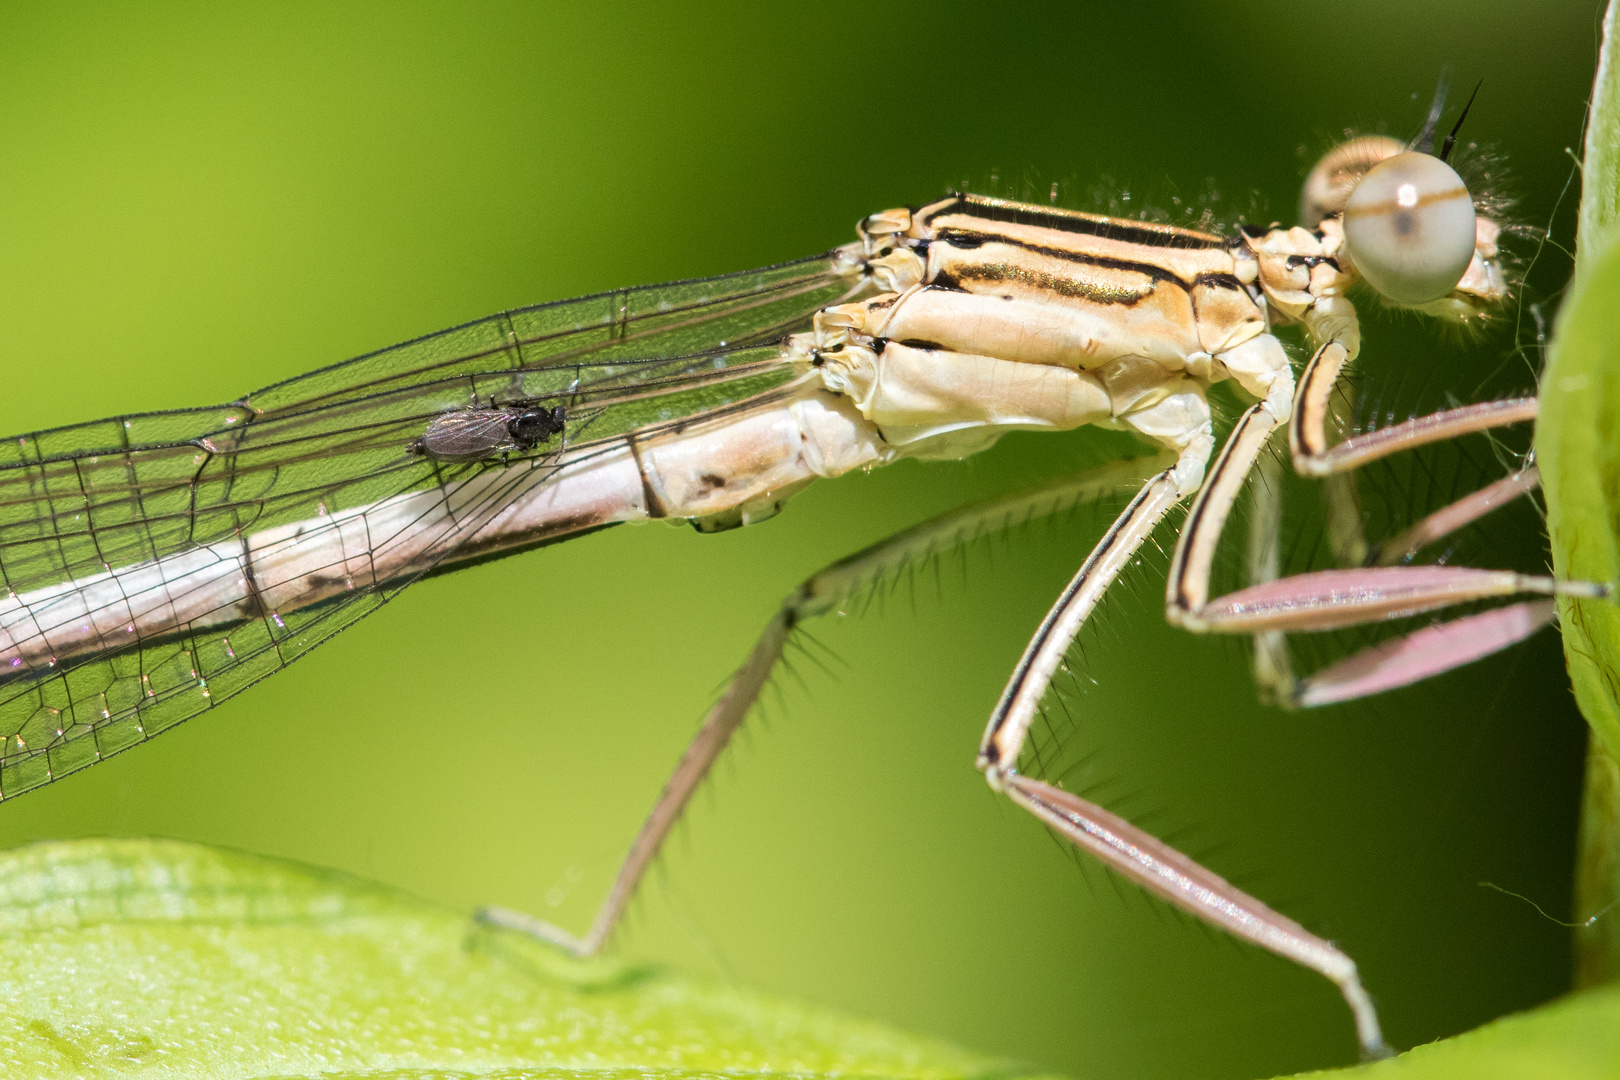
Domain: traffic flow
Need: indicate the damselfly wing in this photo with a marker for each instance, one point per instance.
(134, 602)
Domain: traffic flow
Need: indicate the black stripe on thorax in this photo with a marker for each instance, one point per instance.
(964, 240)
(1111, 228)
(1220, 281)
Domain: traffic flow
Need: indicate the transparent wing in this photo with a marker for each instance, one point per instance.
(122, 542)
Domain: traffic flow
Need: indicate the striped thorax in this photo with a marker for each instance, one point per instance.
(997, 316)
(1003, 316)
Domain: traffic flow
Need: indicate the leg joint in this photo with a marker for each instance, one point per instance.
(995, 773)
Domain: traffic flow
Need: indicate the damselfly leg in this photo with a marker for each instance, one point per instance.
(1384, 586)
(819, 594)
(1333, 599)
(1000, 315)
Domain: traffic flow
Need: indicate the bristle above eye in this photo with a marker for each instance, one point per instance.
(1409, 228)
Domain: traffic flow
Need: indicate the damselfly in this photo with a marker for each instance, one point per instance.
(157, 564)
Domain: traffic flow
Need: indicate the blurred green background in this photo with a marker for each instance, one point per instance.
(198, 200)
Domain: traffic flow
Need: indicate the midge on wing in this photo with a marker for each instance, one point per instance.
(479, 434)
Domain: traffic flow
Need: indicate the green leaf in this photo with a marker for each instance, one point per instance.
(1579, 455)
(1578, 451)
(1576, 444)
(1576, 1038)
(154, 958)
(1600, 162)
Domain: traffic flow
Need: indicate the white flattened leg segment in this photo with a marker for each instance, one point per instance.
(1261, 367)
(914, 393)
(1180, 420)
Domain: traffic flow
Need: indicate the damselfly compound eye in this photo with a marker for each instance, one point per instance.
(1409, 226)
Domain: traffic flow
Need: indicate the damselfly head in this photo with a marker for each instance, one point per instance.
(1413, 229)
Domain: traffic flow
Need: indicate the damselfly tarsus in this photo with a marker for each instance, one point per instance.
(160, 563)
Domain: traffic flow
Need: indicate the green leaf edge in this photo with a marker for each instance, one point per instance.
(164, 959)
(1574, 1038)
(159, 959)
(1576, 445)
(1578, 452)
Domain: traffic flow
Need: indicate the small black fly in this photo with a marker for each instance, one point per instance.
(482, 434)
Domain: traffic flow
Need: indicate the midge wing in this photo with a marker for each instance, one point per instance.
(157, 564)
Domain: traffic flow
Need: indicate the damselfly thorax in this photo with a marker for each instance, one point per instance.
(158, 564)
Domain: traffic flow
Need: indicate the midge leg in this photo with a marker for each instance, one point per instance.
(819, 593)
